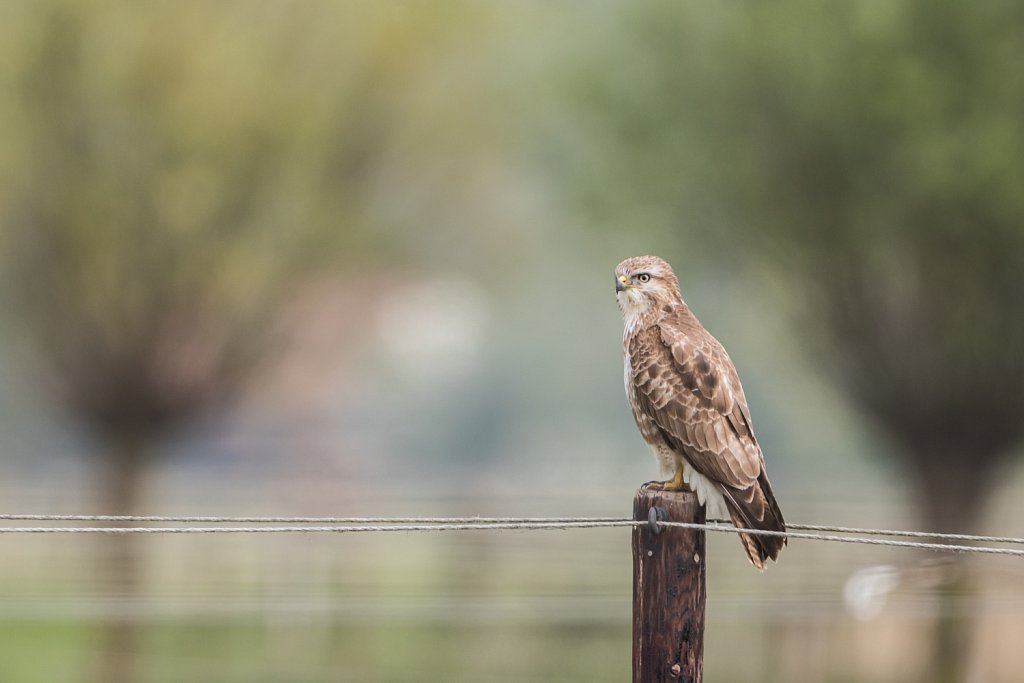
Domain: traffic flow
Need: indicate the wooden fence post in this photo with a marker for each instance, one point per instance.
(668, 591)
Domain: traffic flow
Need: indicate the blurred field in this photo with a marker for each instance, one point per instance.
(475, 606)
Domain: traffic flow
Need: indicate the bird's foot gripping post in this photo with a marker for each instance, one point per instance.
(676, 483)
(669, 571)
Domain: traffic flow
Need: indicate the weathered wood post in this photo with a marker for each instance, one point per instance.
(668, 590)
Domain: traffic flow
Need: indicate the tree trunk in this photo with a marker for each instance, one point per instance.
(122, 479)
(952, 490)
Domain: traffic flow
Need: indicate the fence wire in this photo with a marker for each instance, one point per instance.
(339, 525)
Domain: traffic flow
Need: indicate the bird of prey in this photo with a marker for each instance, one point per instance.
(689, 406)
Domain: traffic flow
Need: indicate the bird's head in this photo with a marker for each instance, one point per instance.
(643, 283)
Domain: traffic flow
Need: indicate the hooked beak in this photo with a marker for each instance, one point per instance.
(620, 284)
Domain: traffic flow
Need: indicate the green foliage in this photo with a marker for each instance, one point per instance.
(872, 154)
(171, 179)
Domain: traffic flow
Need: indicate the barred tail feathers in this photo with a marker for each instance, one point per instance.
(756, 508)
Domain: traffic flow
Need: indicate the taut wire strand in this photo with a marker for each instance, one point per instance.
(908, 534)
(477, 524)
(938, 547)
(476, 520)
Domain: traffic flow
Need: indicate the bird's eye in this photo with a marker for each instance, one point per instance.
(643, 277)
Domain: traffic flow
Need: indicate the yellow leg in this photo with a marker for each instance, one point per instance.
(676, 483)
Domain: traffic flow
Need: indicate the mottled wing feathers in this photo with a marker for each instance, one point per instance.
(686, 385)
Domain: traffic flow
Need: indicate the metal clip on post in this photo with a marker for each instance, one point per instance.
(655, 515)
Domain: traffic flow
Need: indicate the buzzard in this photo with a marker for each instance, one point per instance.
(689, 406)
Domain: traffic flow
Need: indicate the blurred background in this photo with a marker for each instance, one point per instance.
(355, 258)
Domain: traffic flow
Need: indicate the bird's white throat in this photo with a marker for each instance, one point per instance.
(633, 304)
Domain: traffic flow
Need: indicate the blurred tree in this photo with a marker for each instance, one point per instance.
(170, 179)
(872, 153)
